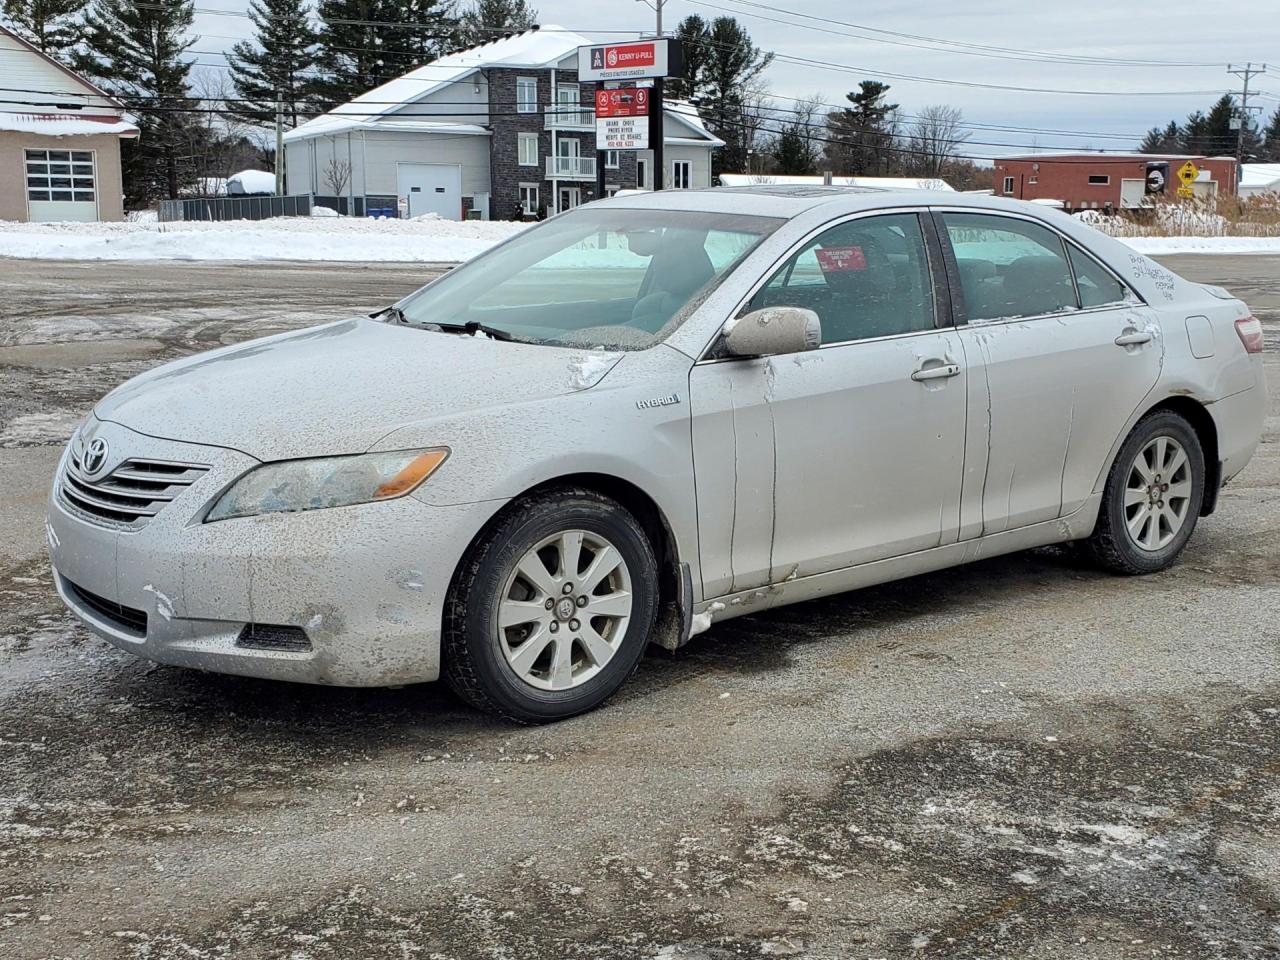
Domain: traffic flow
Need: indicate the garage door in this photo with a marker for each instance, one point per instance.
(431, 188)
(61, 185)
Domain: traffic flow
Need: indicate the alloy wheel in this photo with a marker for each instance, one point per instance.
(564, 610)
(1157, 495)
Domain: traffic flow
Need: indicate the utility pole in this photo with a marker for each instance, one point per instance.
(279, 144)
(1247, 72)
(656, 132)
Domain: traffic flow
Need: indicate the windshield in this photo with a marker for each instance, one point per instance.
(610, 279)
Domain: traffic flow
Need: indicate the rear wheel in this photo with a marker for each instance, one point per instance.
(1152, 497)
(552, 608)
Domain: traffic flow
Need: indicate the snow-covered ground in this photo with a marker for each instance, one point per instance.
(1157, 246)
(426, 240)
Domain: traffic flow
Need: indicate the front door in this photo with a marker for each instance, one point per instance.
(846, 454)
(1066, 354)
(570, 197)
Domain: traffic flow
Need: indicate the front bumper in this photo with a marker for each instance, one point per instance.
(365, 584)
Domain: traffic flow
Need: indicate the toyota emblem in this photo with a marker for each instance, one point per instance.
(96, 456)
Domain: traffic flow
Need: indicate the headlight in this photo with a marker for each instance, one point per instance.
(293, 485)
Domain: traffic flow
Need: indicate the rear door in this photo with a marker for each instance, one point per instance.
(1067, 353)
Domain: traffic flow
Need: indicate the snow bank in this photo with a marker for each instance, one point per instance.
(1157, 246)
(356, 239)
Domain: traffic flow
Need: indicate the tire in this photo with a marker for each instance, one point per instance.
(561, 659)
(1136, 534)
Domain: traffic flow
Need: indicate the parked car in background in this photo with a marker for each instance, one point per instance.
(645, 416)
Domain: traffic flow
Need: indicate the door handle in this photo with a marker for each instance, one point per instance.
(936, 373)
(940, 372)
(1134, 338)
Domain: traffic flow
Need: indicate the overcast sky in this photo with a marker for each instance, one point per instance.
(1189, 31)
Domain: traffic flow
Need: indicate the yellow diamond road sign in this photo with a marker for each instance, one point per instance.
(1188, 172)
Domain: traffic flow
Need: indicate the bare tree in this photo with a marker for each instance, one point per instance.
(933, 140)
(217, 144)
(796, 149)
(336, 174)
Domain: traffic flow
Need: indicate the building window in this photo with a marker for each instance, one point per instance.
(1033, 180)
(529, 199)
(611, 159)
(60, 175)
(1008, 184)
(528, 143)
(526, 94)
(1099, 179)
(681, 177)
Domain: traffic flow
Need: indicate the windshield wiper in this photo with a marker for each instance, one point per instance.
(473, 327)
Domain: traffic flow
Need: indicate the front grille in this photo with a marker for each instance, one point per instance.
(124, 618)
(131, 494)
(269, 636)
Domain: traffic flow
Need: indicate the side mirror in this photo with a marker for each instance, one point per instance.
(772, 331)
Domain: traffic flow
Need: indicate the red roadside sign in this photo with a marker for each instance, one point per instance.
(625, 102)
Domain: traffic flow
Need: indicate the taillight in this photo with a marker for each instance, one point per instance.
(1249, 329)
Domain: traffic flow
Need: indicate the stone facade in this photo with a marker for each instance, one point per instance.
(507, 173)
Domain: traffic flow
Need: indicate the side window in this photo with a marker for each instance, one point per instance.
(1097, 287)
(1009, 268)
(864, 278)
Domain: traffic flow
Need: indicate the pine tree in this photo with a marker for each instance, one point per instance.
(135, 50)
(1220, 139)
(279, 62)
(1271, 139)
(860, 137)
(731, 90)
(1167, 140)
(365, 43)
(486, 20)
(52, 25)
(694, 36)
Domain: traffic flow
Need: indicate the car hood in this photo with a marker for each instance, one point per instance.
(338, 388)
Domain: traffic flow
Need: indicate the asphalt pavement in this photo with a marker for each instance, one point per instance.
(1020, 758)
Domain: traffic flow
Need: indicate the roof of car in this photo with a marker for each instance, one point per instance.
(784, 200)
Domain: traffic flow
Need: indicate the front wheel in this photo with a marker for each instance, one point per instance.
(552, 607)
(1152, 497)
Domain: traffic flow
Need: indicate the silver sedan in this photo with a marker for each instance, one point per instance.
(643, 417)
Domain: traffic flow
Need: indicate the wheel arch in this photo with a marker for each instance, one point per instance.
(675, 588)
(1201, 420)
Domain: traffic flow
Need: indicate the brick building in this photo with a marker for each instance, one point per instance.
(1110, 181)
(504, 129)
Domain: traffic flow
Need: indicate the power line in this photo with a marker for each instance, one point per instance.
(762, 111)
(975, 49)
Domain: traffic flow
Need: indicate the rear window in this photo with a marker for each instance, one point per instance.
(1098, 288)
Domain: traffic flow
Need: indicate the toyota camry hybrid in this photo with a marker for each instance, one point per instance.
(642, 417)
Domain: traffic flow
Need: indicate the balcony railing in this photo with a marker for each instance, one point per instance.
(571, 168)
(566, 117)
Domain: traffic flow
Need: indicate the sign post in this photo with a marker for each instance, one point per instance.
(634, 123)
